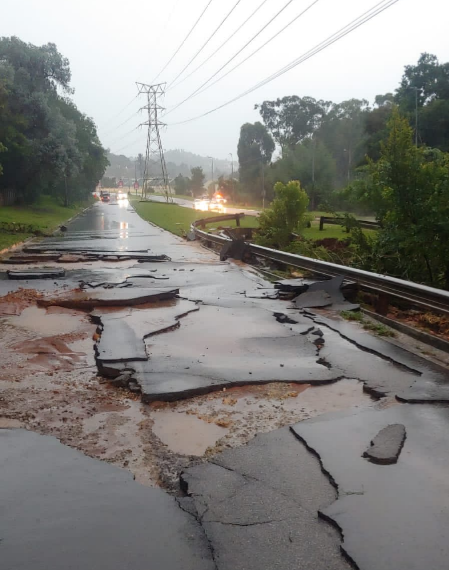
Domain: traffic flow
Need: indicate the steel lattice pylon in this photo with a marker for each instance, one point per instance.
(155, 171)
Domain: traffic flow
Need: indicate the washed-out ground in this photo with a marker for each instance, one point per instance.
(49, 384)
(253, 416)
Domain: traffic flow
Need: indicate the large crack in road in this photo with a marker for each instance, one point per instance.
(175, 384)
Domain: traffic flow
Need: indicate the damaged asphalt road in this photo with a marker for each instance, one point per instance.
(195, 338)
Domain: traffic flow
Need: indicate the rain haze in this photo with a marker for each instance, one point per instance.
(111, 45)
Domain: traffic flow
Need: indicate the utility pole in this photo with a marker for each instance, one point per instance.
(416, 115)
(155, 170)
(313, 172)
(213, 185)
(232, 176)
(263, 186)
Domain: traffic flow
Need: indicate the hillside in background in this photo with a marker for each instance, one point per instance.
(178, 162)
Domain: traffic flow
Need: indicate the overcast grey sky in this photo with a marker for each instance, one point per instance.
(111, 44)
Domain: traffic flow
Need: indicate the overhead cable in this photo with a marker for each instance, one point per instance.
(232, 58)
(183, 41)
(222, 44)
(205, 43)
(359, 21)
(258, 49)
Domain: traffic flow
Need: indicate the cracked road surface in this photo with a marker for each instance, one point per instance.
(150, 354)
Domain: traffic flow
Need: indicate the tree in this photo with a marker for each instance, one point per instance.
(409, 190)
(255, 149)
(182, 184)
(375, 126)
(427, 85)
(49, 146)
(285, 216)
(197, 180)
(292, 119)
(342, 132)
(310, 163)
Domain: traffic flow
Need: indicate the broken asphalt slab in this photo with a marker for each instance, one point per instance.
(126, 297)
(408, 376)
(390, 517)
(258, 507)
(61, 509)
(386, 445)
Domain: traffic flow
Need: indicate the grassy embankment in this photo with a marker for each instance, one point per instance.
(177, 220)
(18, 223)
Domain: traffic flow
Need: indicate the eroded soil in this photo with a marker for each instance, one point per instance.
(49, 384)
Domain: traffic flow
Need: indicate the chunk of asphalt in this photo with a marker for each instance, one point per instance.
(386, 447)
(109, 298)
(36, 274)
(297, 286)
(313, 299)
(322, 294)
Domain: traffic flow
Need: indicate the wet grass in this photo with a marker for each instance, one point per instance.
(44, 215)
(17, 223)
(177, 219)
(368, 325)
(8, 240)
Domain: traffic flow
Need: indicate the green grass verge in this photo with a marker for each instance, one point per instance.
(44, 215)
(8, 240)
(17, 223)
(177, 219)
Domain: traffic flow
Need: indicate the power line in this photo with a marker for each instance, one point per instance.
(125, 135)
(183, 41)
(123, 109)
(356, 23)
(123, 123)
(259, 48)
(223, 44)
(232, 58)
(130, 144)
(206, 42)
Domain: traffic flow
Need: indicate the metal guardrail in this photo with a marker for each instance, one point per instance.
(384, 286)
(341, 222)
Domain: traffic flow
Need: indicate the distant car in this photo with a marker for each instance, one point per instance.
(105, 197)
(201, 204)
(121, 195)
(216, 206)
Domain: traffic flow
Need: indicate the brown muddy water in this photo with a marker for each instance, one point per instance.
(49, 384)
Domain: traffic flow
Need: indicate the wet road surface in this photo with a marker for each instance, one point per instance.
(189, 204)
(270, 503)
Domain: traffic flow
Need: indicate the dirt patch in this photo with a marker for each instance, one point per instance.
(14, 303)
(243, 412)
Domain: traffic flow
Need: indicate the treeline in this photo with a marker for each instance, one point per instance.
(47, 146)
(327, 145)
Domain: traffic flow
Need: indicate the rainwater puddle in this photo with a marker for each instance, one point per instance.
(186, 434)
(190, 426)
(49, 323)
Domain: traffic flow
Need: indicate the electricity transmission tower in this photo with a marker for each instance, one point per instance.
(155, 171)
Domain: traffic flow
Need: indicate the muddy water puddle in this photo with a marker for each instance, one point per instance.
(49, 322)
(186, 434)
(208, 424)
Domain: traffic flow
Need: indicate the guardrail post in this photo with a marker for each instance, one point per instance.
(237, 220)
(321, 223)
(382, 304)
